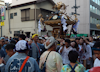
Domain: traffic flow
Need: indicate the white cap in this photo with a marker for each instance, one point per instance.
(22, 45)
(51, 42)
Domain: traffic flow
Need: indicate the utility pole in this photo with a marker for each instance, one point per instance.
(8, 8)
(75, 7)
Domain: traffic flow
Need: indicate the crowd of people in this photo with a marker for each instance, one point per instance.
(47, 54)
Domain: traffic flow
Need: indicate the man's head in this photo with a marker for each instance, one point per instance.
(35, 37)
(22, 37)
(81, 41)
(73, 44)
(2, 41)
(6, 37)
(73, 56)
(67, 42)
(10, 38)
(10, 49)
(22, 47)
(40, 40)
(51, 43)
(96, 49)
(6, 41)
(16, 40)
(43, 39)
(90, 38)
(77, 40)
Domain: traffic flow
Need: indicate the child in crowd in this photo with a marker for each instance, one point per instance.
(73, 66)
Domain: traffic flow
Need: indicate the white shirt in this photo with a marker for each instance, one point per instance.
(82, 53)
(91, 44)
(65, 53)
(54, 61)
(96, 62)
(88, 51)
(80, 47)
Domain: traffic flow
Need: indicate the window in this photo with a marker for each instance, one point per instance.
(91, 8)
(25, 15)
(90, 19)
(93, 0)
(15, 14)
(11, 16)
(99, 2)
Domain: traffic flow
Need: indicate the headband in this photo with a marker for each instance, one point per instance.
(34, 35)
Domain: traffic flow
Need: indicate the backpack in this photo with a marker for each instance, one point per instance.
(72, 67)
(44, 65)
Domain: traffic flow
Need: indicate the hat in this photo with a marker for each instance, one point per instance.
(49, 42)
(2, 38)
(34, 35)
(40, 38)
(22, 45)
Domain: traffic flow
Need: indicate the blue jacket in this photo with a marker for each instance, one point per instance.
(14, 63)
(2, 54)
(35, 51)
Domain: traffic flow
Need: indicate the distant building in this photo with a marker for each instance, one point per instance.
(24, 17)
(2, 2)
(89, 14)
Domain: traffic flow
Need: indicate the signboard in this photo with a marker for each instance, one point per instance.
(2, 24)
(3, 12)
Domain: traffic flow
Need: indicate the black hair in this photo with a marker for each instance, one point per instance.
(91, 36)
(80, 38)
(73, 56)
(67, 40)
(43, 38)
(97, 45)
(12, 42)
(22, 36)
(10, 46)
(77, 38)
(87, 39)
(16, 39)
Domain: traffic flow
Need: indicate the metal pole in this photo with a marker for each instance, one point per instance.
(75, 7)
(35, 20)
(1, 31)
(8, 18)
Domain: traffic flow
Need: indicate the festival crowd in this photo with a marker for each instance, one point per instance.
(47, 54)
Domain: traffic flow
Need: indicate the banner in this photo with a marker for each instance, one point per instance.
(3, 12)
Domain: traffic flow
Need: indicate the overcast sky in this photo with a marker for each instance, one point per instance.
(8, 0)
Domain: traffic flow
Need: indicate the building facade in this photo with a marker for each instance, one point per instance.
(94, 16)
(89, 14)
(24, 18)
